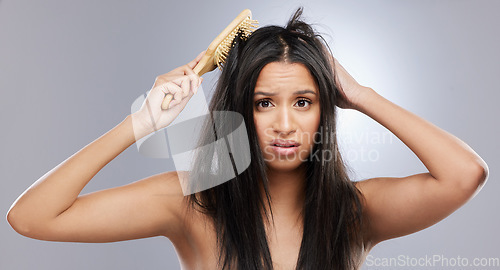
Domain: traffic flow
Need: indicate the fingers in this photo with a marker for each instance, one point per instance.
(193, 63)
(179, 71)
(188, 83)
(180, 88)
(184, 83)
(175, 90)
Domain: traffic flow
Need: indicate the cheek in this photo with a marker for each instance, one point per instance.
(310, 123)
(260, 127)
(309, 127)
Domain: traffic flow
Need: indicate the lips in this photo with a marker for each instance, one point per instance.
(284, 143)
(284, 147)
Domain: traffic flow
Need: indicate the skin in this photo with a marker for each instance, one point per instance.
(286, 107)
(52, 209)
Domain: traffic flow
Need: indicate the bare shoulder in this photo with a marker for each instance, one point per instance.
(368, 242)
(167, 188)
(166, 183)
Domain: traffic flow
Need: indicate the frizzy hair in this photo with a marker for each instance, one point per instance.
(332, 212)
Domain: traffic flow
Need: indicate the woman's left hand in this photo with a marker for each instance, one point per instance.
(351, 92)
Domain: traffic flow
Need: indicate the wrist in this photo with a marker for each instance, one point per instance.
(364, 95)
(140, 126)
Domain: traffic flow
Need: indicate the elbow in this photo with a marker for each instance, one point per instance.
(480, 173)
(476, 177)
(20, 224)
(26, 225)
(14, 222)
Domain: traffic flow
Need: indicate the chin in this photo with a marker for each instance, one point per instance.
(284, 165)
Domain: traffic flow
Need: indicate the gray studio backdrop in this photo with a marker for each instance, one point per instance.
(70, 70)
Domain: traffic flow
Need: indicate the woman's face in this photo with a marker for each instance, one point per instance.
(286, 114)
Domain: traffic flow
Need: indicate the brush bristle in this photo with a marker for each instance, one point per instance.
(246, 27)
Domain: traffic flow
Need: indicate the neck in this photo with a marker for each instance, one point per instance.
(287, 190)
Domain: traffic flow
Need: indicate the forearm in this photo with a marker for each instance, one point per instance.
(445, 156)
(56, 191)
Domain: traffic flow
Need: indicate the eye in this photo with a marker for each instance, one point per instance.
(263, 103)
(303, 103)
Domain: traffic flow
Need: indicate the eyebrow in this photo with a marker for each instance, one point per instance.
(300, 92)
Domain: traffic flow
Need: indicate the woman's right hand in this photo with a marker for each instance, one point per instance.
(182, 83)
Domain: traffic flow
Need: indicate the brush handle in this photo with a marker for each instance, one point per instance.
(166, 101)
(206, 64)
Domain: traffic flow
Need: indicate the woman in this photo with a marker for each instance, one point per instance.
(294, 206)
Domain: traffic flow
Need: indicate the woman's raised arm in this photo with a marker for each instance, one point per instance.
(51, 208)
(400, 206)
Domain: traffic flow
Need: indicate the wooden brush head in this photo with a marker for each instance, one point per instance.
(218, 50)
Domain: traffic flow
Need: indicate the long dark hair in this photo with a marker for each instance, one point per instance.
(333, 206)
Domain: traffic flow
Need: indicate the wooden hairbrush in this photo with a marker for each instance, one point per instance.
(218, 50)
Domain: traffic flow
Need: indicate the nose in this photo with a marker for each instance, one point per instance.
(284, 124)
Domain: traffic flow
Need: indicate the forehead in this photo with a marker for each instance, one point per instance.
(285, 76)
